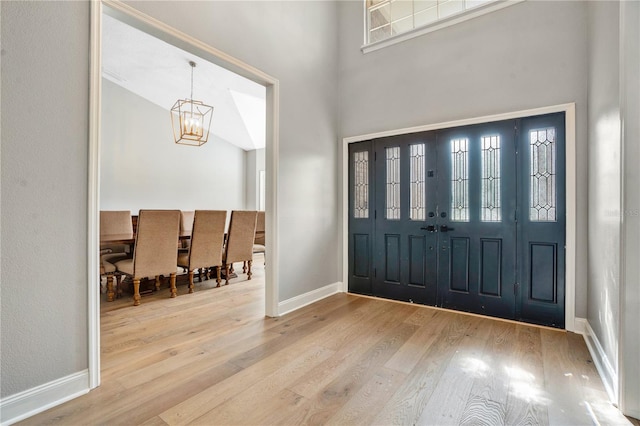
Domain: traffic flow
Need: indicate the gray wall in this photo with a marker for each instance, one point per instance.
(529, 55)
(294, 42)
(45, 80)
(142, 168)
(630, 295)
(604, 176)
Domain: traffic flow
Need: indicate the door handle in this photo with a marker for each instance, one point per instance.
(445, 228)
(430, 228)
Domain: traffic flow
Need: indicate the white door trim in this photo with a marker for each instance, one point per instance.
(571, 200)
(171, 35)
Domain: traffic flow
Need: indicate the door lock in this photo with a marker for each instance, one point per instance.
(445, 228)
(430, 228)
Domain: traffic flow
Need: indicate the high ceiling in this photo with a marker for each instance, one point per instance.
(160, 73)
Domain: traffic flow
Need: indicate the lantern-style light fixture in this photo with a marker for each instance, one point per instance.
(191, 119)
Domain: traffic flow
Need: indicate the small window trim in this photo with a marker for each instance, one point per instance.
(434, 26)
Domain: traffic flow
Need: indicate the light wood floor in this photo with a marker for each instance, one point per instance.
(212, 358)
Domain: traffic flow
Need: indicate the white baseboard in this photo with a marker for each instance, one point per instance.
(580, 326)
(305, 299)
(36, 400)
(607, 373)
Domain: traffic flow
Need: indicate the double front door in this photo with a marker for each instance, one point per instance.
(470, 218)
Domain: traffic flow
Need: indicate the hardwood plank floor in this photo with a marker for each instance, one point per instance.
(212, 358)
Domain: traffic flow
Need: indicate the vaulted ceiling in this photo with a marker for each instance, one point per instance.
(160, 73)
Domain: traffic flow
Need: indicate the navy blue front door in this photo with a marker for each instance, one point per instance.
(469, 218)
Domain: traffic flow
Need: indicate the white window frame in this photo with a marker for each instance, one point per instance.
(434, 26)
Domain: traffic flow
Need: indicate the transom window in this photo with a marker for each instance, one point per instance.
(387, 18)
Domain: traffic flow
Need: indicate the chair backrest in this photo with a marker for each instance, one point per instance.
(260, 232)
(115, 222)
(242, 230)
(155, 250)
(207, 238)
(186, 220)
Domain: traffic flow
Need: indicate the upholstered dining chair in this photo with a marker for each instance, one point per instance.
(259, 240)
(155, 250)
(186, 224)
(207, 240)
(113, 222)
(239, 246)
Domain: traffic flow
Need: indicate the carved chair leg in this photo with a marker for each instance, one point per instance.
(249, 273)
(226, 272)
(118, 286)
(231, 268)
(110, 292)
(136, 291)
(199, 275)
(191, 281)
(244, 267)
(172, 279)
(218, 275)
(157, 282)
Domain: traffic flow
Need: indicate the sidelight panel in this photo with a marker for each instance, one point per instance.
(361, 185)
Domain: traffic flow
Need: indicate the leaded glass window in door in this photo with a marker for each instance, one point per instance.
(361, 185)
(542, 187)
(417, 192)
(490, 209)
(392, 206)
(460, 180)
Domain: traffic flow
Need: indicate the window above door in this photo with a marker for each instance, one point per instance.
(391, 21)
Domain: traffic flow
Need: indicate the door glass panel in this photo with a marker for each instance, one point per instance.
(460, 180)
(542, 188)
(490, 210)
(361, 185)
(417, 184)
(393, 183)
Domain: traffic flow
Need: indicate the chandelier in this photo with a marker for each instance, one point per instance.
(191, 119)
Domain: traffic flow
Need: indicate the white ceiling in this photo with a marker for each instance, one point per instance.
(160, 73)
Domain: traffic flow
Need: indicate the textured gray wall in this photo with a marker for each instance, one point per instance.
(296, 43)
(211, 176)
(528, 55)
(604, 176)
(45, 80)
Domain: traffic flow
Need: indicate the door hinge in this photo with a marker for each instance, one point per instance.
(515, 216)
(375, 214)
(375, 272)
(515, 288)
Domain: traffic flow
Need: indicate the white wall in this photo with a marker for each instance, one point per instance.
(255, 164)
(528, 55)
(604, 177)
(141, 166)
(45, 81)
(296, 43)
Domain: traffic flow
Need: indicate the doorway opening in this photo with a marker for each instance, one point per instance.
(195, 48)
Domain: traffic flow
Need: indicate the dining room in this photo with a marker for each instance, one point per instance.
(150, 161)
